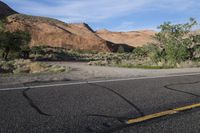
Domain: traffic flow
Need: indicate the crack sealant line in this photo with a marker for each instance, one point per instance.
(31, 102)
(168, 87)
(185, 92)
(122, 97)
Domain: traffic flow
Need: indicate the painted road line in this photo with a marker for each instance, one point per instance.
(100, 81)
(162, 114)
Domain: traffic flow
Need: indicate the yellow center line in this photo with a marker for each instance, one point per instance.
(162, 114)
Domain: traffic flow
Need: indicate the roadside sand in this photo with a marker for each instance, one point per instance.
(82, 71)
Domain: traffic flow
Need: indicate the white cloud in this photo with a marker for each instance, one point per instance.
(125, 26)
(95, 11)
(130, 26)
(81, 10)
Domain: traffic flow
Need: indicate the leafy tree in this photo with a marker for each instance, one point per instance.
(176, 40)
(14, 42)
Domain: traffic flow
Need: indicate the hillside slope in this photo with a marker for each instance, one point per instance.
(54, 33)
(51, 32)
(132, 38)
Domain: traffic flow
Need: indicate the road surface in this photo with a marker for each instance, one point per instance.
(101, 106)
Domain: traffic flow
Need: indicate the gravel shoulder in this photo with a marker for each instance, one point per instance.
(82, 71)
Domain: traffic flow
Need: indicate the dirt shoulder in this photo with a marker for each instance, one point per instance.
(82, 71)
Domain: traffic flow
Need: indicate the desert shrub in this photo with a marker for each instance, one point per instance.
(117, 59)
(22, 66)
(150, 50)
(188, 64)
(176, 53)
(80, 51)
(143, 66)
(2, 25)
(155, 53)
(6, 67)
(99, 63)
(140, 52)
(196, 53)
(120, 49)
(37, 50)
(46, 53)
(25, 51)
(57, 69)
(27, 66)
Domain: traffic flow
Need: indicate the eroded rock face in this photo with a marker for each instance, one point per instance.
(133, 38)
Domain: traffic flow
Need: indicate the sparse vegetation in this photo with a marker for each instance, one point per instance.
(27, 66)
(120, 49)
(14, 45)
(33, 19)
(176, 46)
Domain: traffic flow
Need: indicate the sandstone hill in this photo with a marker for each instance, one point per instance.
(54, 33)
(132, 38)
(51, 32)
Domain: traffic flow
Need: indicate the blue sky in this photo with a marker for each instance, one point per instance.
(115, 15)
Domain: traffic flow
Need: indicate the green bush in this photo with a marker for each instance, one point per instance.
(37, 50)
(2, 25)
(177, 42)
(196, 53)
(176, 53)
(120, 49)
(140, 52)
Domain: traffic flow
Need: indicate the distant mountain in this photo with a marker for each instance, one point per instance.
(132, 38)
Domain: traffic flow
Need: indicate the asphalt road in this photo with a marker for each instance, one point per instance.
(100, 106)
